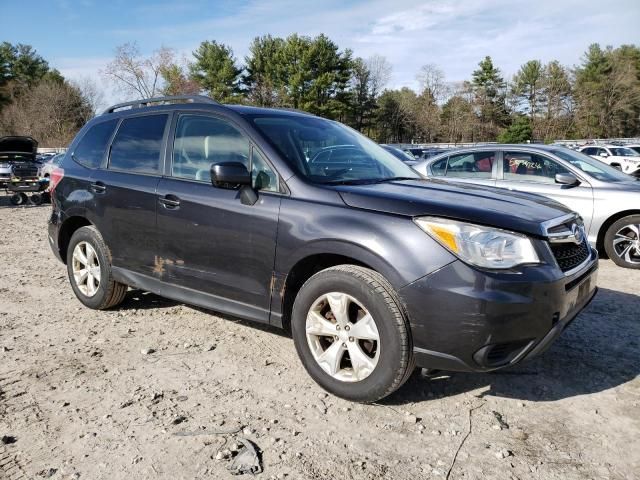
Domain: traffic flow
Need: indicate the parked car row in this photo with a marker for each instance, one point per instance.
(625, 158)
(424, 153)
(607, 199)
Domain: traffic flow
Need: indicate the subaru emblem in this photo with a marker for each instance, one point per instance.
(578, 234)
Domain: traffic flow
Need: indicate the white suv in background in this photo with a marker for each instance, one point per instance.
(619, 156)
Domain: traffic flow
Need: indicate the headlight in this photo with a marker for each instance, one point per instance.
(481, 246)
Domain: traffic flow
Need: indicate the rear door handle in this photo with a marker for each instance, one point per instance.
(98, 187)
(169, 201)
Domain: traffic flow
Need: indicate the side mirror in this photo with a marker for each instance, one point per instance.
(604, 154)
(230, 175)
(567, 179)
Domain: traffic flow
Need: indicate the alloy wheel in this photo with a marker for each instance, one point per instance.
(86, 269)
(626, 243)
(343, 337)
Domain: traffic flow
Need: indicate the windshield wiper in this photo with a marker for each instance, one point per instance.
(352, 181)
(368, 181)
(393, 179)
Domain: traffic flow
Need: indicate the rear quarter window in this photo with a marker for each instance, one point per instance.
(137, 146)
(90, 150)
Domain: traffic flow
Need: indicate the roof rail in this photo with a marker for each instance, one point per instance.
(171, 99)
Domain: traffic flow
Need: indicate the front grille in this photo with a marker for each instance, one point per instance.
(24, 171)
(569, 255)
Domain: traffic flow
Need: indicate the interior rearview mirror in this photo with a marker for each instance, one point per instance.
(230, 175)
(567, 179)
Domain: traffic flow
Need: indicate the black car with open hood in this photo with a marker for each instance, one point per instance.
(19, 169)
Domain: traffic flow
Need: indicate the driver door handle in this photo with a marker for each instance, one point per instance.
(98, 187)
(169, 201)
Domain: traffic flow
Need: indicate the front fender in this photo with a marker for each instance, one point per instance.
(391, 244)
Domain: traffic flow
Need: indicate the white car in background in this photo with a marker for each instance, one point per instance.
(49, 164)
(618, 156)
(634, 146)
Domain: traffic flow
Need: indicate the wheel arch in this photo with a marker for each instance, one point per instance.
(304, 269)
(605, 226)
(67, 229)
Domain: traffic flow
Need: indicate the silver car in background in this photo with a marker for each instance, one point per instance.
(607, 199)
(49, 165)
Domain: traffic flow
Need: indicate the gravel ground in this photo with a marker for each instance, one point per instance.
(82, 397)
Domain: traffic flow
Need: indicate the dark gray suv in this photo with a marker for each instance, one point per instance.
(285, 218)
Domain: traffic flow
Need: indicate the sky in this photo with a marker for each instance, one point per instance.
(78, 37)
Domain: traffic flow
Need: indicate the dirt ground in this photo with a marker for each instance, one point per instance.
(80, 399)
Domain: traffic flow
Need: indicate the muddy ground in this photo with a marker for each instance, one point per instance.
(79, 399)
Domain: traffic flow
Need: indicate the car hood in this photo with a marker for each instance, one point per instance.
(509, 210)
(23, 148)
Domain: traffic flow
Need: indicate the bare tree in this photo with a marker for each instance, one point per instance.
(379, 74)
(52, 112)
(431, 79)
(135, 74)
(91, 93)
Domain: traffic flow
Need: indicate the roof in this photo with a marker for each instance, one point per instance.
(251, 110)
(502, 146)
(193, 102)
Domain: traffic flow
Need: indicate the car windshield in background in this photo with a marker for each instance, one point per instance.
(328, 152)
(595, 168)
(624, 152)
(396, 152)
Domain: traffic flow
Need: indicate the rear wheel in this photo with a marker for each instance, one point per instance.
(89, 270)
(622, 242)
(352, 334)
(36, 199)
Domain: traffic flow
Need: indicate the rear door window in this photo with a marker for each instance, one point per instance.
(90, 151)
(471, 165)
(137, 146)
(530, 167)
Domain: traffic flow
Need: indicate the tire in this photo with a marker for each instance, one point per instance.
(36, 199)
(391, 355)
(625, 253)
(107, 293)
(16, 199)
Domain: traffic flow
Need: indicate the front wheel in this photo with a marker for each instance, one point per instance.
(352, 334)
(89, 270)
(622, 242)
(17, 199)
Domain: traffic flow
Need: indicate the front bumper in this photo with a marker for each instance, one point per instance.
(26, 185)
(464, 319)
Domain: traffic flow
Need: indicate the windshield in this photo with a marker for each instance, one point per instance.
(396, 152)
(56, 159)
(624, 152)
(595, 168)
(327, 152)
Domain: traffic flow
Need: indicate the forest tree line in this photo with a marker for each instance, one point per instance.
(598, 98)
